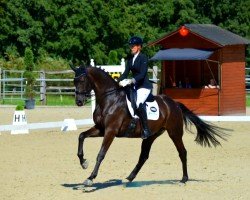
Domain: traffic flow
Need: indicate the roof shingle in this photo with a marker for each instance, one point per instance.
(217, 34)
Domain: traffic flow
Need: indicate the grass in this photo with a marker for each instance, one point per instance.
(60, 100)
(248, 100)
(52, 100)
(64, 100)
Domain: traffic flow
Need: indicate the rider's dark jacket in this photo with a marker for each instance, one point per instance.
(139, 71)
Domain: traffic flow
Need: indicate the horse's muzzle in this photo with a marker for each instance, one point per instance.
(79, 103)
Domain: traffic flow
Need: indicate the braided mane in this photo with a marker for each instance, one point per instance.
(106, 74)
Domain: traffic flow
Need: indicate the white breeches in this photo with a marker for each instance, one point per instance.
(142, 94)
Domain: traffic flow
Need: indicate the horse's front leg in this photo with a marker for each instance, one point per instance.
(93, 132)
(107, 140)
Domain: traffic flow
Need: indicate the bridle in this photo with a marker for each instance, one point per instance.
(87, 93)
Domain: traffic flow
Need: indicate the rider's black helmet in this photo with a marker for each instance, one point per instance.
(135, 41)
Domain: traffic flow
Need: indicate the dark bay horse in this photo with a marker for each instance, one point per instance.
(112, 119)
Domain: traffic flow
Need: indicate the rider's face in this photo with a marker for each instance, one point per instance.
(135, 49)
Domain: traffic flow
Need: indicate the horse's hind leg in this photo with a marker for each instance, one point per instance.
(93, 132)
(177, 139)
(145, 149)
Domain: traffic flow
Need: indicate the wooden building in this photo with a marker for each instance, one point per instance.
(197, 53)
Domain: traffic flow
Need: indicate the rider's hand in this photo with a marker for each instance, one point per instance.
(125, 82)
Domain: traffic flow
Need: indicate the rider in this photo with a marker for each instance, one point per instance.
(138, 65)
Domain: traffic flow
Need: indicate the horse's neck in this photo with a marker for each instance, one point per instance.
(100, 82)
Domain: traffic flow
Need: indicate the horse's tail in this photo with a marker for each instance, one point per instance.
(206, 132)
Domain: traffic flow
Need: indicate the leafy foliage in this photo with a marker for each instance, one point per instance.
(29, 74)
(19, 107)
(80, 30)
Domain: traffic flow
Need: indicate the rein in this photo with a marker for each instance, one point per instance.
(105, 94)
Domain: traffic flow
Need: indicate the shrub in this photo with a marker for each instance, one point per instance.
(29, 74)
(19, 107)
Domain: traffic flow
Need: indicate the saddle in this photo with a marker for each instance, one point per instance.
(151, 105)
(132, 96)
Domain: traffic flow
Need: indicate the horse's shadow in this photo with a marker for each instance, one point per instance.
(118, 182)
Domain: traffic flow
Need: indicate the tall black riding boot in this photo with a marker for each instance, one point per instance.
(141, 111)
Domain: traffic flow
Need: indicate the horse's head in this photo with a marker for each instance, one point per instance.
(82, 85)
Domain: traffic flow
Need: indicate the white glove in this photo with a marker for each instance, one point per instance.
(125, 82)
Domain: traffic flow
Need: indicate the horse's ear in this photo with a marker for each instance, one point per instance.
(72, 66)
(83, 64)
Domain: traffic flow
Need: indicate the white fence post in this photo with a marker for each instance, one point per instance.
(123, 63)
(92, 63)
(42, 88)
(155, 85)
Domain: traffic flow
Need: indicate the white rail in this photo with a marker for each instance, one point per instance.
(89, 122)
(45, 125)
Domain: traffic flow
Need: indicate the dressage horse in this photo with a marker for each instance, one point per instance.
(112, 119)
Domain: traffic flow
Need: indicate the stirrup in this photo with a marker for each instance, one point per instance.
(146, 136)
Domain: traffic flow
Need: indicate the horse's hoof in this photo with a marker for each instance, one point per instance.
(130, 179)
(88, 182)
(85, 164)
(184, 180)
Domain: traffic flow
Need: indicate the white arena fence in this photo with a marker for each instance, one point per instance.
(44, 125)
(90, 122)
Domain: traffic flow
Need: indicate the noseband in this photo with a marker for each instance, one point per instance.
(86, 94)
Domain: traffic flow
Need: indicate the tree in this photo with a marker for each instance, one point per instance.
(113, 60)
(80, 30)
(29, 74)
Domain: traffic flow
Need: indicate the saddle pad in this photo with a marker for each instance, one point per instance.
(152, 109)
